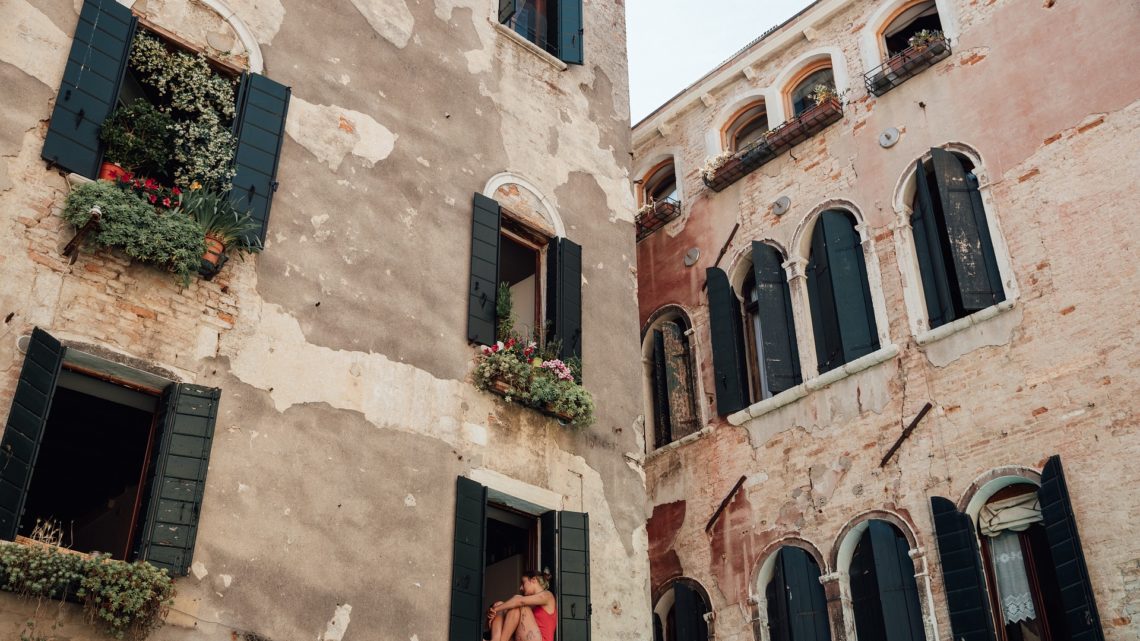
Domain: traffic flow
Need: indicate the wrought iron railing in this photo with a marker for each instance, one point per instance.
(650, 219)
(905, 65)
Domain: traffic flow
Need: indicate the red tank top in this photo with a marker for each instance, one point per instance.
(546, 622)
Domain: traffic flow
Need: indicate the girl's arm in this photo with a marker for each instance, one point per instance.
(518, 601)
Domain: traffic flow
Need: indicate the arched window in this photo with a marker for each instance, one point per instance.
(884, 595)
(680, 614)
(673, 388)
(660, 183)
(910, 20)
(749, 125)
(797, 606)
(770, 334)
(802, 94)
(952, 239)
(843, 317)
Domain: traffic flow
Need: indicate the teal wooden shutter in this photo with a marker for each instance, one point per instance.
(727, 344)
(978, 284)
(807, 604)
(467, 615)
(24, 431)
(779, 629)
(570, 31)
(94, 72)
(483, 294)
(962, 577)
(898, 593)
(662, 426)
(1081, 617)
(849, 284)
(507, 10)
(928, 248)
(573, 576)
(687, 611)
(262, 106)
(821, 296)
(865, 601)
(178, 476)
(777, 329)
(564, 295)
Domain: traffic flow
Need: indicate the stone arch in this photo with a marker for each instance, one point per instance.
(241, 31)
(903, 194)
(741, 263)
(763, 574)
(884, 12)
(801, 237)
(832, 54)
(849, 536)
(671, 311)
(991, 482)
(663, 599)
(539, 203)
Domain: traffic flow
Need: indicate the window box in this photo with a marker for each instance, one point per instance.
(804, 126)
(740, 165)
(501, 387)
(905, 65)
(516, 371)
(655, 215)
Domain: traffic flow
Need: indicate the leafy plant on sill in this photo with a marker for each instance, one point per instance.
(167, 238)
(138, 136)
(822, 93)
(648, 208)
(924, 38)
(221, 221)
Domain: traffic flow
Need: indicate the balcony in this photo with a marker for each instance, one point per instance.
(905, 65)
(774, 143)
(655, 215)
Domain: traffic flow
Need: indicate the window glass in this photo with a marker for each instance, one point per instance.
(921, 16)
(802, 95)
(662, 183)
(536, 21)
(749, 126)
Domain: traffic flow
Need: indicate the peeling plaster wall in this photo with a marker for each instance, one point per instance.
(1053, 375)
(346, 412)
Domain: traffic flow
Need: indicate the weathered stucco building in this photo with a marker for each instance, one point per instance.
(326, 382)
(876, 323)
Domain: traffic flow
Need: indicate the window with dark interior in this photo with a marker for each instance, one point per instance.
(1030, 558)
(497, 537)
(544, 275)
(140, 444)
(801, 94)
(884, 595)
(952, 239)
(680, 614)
(553, 25)
(661, 183)
(673, 389)
(99, 77)
(769, 331)
(797, 606)
(747, 127)
(843, 317)
(919, 16)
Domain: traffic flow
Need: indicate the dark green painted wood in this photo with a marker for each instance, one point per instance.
(928, 248)
(841, 296)
(484, 289)
(898, 593)
(806, 602)
(865, 600)
(962, 575)
(259, 130)
(573, 576)
(1081, 617)
(24, 431)
(662, 425)
(821, 297)
(779, 627)
(570, 31)
(507, 10)
(988, 255)
(686, 613)
(564, 295)
(467, 616)
(187, 416)
(92, 76)
(977, 286)
(729, 368)
(774, 308)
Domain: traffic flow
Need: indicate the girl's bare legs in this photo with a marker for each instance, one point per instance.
(504, 625)
(527, 626)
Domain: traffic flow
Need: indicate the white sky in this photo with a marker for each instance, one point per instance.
(672, 43)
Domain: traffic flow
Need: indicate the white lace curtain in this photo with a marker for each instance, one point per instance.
(1012, 581)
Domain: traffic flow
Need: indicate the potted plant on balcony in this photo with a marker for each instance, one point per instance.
(138, 138)
(724, 160)
(927, 38)
(225, 227)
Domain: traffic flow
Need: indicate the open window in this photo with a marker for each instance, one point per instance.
(952, 239)
(747, 126)
(140, 446)
(544, 275)
(497, 534)
(797, 606)
(769, 331)
(680, 613)
(660, 199)
(842, 314)
(910, 41)
(803, 92)
(1030, 581)
(726, 328)
(884, 594)
(553, 25)
(911, 19)
(673, 380)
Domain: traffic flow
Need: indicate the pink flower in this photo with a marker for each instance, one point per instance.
(165, 202)
(176, 191)
(152, 198)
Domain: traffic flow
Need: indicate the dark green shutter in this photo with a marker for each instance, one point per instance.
(837, 283)
(807, 604)
(507, 10)
(727, 344)
(898, 593)
(94, 72)
(570, 31)
(687, 612)
(821, 296)
(865, 602)
(573, 576)
(484, 289)
(962, 576)
(779, 629)
(20, 446)
(978, 283)
(467, 615)
(928, 248)
(777, 329)
(1081, 617)
(178, 476)
(658, 632)
(661, 419)
(259, 130)
(564, 295)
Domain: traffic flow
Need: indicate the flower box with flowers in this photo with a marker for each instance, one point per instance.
(520, 372)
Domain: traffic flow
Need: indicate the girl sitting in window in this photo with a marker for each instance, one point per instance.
(530, 615)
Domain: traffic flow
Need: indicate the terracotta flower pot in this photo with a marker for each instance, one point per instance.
(110, 171)
(215, 248)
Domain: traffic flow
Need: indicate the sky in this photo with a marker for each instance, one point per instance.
(672, 43)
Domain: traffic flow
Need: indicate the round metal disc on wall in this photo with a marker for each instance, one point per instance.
(781, 206)
(889, 137)
(692, 256)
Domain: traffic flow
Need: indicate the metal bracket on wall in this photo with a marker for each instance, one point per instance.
(906, 434)
(724, 503)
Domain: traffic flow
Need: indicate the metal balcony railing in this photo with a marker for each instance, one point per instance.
(905, 65)
(651, 220)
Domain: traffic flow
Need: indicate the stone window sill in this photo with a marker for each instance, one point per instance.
(679, 443)
(953, 327)
(542, 54)
(794, 394)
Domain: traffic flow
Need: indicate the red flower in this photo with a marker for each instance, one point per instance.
(176, 191)
(152, 198)
(165, 202)
(137, 182)
(151, 183)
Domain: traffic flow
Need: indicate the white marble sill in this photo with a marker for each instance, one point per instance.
(953, 327)
(543, 54)
(794, 394)
(679, 443)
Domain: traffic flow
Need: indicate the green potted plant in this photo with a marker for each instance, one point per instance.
(138, 138)
(925, 38)
(227, 229)
(823, 93)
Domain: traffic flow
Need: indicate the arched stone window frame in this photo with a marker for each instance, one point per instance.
(548, 210)
(870, 41)
(241, 30)
(763, 574)
(663, 599)
(844, 549)
(647, 167)
(715, 142)
(913, 293)
(668, 312)
(800, 68)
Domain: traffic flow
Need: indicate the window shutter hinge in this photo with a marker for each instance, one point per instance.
(275, 184)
